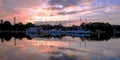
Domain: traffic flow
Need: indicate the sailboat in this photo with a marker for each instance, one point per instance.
(78, 33)
(36, 31)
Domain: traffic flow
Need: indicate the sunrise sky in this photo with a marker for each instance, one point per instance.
(61, 10)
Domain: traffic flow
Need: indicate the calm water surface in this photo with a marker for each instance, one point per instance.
(66, 48)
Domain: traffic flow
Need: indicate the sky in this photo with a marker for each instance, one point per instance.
(76, 11)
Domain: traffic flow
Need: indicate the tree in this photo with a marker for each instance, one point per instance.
(19, 27)
(98, 26)
(7, 26)
(29, 25)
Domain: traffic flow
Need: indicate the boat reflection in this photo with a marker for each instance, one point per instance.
(9, 36)
(90, 37)
(60, 47)
(61, 56)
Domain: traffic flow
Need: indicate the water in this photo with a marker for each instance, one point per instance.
(65, 48)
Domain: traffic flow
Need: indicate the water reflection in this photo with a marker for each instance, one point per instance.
(63, 57)
(92, 37)
(8, 36)
(60, 47)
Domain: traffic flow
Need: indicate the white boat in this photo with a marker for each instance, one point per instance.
(79, 32)
(55, 32)
(33, 30)
(36, 32)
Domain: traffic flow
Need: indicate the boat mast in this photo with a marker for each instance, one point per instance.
(69, 22)
(86, 19)
(46, 21)
(14, 20)
(80, 20)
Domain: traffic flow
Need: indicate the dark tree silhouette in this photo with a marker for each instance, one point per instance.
(29, 25)
(7, 26)
(19, 27)
(98, 26)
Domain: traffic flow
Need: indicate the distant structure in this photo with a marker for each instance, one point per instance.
(80, 19)
(86, 20)
(14, 20)
(1, 21)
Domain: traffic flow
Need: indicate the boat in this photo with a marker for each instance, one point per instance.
(36, 32)
(79, 35)
(55, 32)
(76, 33)
(79, 32)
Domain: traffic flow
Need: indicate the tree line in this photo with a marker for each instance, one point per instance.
(92, 26)
(7, 26)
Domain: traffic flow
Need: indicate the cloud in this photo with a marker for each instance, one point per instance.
(18, 8)
(21, 3)
(1, 4)
(112, 8)
(81, 11)
(64, 3)
(26, 9)
(69, 3)
(10, 5)
(88, 2)
(14, 7)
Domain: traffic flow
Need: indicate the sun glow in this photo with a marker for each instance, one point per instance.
(49, 18)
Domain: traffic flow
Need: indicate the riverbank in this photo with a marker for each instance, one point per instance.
(12, 31)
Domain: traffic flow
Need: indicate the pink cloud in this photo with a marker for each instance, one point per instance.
(1, 4)
(88, 2)
(24, 10)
